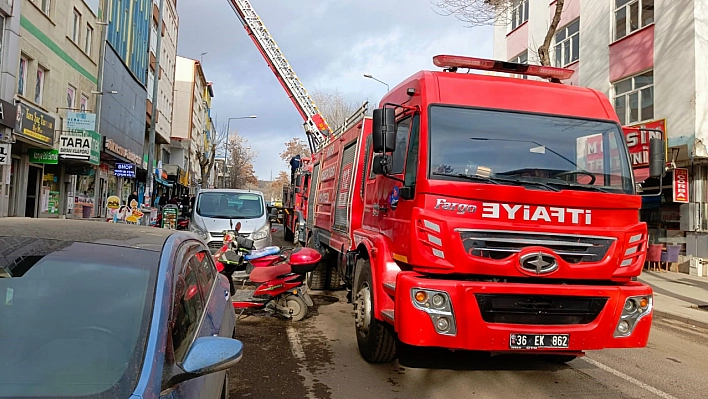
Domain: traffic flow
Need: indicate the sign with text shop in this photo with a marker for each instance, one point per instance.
(681, 185)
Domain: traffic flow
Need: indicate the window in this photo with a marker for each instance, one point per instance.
(88, 39)
(84, 103)
(632, 15)
(567, 44)
(399, 155)
(70, 97)
(75, 27)
(634, 98)
(188, 308)
(39, 87)
(206, 272)
(44, 5)
(412, 159)
(519, 13)
(22, 77)
(522, 58)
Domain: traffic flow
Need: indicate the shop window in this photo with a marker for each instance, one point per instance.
(634, 98)
(632, 15)
(567, 46)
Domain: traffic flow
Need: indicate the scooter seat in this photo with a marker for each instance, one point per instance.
(263, 274)
(259, 253)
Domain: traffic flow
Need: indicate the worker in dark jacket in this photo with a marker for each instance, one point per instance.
(294, 165)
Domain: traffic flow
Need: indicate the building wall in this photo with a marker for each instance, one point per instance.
(129, 32)
(183, 98)
(9, 61)
(595, 36)
(166, 85)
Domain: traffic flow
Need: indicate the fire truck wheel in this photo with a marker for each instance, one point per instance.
(377, 342)
(335, 281)
(288, 234)
(317, 279)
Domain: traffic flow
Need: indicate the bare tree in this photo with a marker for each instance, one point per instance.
(296, 146)
(205, 156)
(334, 107)
(488, 12)
(276, 186)
(240, 163)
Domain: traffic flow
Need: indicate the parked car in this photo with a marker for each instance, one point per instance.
(216, 210)
(98, 310)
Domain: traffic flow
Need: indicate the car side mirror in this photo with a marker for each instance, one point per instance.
(384, 130)
(657, 159)
(382, 164)
(206, 356)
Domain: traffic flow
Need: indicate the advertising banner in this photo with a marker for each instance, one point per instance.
(34, 124)
(681, 185)
(5, 154)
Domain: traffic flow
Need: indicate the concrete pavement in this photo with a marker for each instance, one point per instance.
(678, 296)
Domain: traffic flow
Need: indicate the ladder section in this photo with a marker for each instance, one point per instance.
(315, 125)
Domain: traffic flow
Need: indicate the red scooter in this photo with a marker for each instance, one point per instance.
(278, 273)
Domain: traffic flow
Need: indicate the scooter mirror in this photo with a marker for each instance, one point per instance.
(238, 226)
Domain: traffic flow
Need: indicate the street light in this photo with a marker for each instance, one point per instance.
(228, 135)
(367, 75)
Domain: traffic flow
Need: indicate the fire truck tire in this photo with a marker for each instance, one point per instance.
(288, 234)
(317, 279)
(335, 281)
(376, 340)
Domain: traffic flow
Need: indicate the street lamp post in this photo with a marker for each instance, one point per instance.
(367, 75)
(228, 135)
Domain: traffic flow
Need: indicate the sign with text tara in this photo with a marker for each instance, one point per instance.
(43, 156)
(5, 154)
(34, 124)
(681, 185)
(80, 121)
(84, 145)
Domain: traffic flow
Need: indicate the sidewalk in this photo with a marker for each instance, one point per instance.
(679, 296)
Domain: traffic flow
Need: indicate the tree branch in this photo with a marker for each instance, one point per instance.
(544, 49)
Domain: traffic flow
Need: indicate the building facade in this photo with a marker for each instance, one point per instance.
(56, 80)
(648, 57)
(189, 118)
(9, 65)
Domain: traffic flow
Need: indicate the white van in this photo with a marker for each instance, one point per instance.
(216, 210)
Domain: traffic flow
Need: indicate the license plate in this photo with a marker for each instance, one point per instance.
(536, 341)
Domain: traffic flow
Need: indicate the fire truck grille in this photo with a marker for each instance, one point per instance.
(502, 244)
(539, 309)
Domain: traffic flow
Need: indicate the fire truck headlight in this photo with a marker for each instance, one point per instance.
(438, 306)
(635, 307)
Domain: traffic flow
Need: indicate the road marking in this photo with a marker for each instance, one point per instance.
(627, 378)
(295, 343)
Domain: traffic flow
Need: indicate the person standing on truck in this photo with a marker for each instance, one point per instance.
(294, 165)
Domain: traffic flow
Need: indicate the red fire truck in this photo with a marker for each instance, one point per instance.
(295, 203)
(485, 212)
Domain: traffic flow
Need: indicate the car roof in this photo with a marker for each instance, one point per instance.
(230, 190)
(115, 234)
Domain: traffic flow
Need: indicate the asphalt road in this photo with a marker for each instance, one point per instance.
(318, 358)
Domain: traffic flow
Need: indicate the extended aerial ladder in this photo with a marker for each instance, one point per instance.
(317, 129)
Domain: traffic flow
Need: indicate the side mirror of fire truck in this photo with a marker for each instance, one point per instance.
(384, 130)
(657, 160)
(298, 182)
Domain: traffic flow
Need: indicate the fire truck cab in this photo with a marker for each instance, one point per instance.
(486, 213)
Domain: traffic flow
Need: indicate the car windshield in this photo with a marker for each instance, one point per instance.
(74, 318)
(539, 151)
(227, 205)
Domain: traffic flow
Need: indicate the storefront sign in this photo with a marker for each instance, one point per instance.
(34, 124)
(80, 121)
(127, 154)
(8, 113)
(638, 141)
(681, 185)
(184, 178)
(43, 156)
(83, 145)
(5, 154)
(124, 170)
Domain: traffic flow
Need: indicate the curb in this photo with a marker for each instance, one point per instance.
(687, 320)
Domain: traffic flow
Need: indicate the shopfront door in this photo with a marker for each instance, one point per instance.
(34, 177)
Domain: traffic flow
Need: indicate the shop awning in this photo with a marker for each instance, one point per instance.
(163, 182)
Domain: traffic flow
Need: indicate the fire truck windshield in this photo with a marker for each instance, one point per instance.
(527, 149)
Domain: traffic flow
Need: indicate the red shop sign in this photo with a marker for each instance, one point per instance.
(680, 185)
(638, 141)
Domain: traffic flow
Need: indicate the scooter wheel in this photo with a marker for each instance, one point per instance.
(297, 307)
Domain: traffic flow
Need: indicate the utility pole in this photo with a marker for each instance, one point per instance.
(153, 119)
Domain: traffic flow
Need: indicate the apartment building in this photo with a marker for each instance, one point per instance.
(648, 57)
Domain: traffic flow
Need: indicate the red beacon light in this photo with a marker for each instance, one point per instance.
(452, 62)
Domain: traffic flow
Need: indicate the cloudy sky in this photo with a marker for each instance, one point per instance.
(329, 43)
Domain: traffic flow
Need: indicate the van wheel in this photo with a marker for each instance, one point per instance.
(376, 340)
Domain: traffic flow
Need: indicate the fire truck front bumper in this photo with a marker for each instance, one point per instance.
(519, 317)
